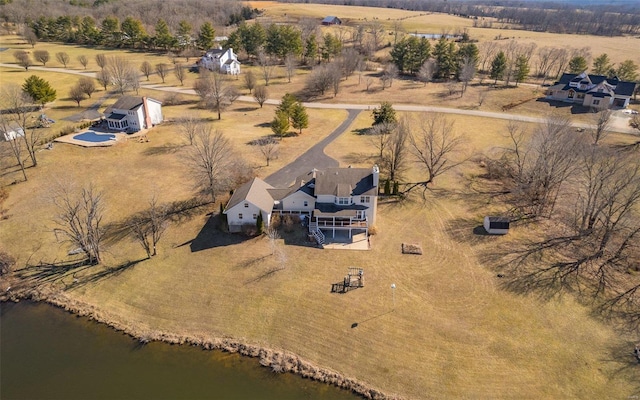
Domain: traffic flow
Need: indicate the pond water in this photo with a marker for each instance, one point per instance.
(47, 353)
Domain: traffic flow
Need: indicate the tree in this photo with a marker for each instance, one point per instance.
(282, 40)
(602, 122)
(30, 36)
(76, 94)
(384, 114)
(410, 53)
(389, 73)
(148, 226)
(39, 89)
(299, 117)
(435, 146)
(86, 85)
(331, 46)
(206, 36)
(163, 37)
(467, 72)
(445, 55)
(63, 58)
(250, 81)
(259, 224)
(427, 69)
(215, 90)
(522, 69)
(189, 126)
(311, 48)
(577, 64)
(23, 59)
(498, 67)
(162, 70)
(17, 105)
(280, 124)
(395, 155)
(41, 56)
(290, 64)
(287, 103)
(268, 148)
(212, 161)
(181, 73)
(133, 31)
(102, 60)
(146, 69)
(267, 66)
(122, 73)
(79, 219)
(83, 60)
(627, 71)
(104, 78)
(261, 94)
(602, 64)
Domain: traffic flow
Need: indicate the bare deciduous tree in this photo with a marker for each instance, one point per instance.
(267, 66)
(425, 74)
(15, 145)
(467, 72)
(41, 56)
(83, 60)
(379, 136)
(76, 94)
(162, 70)
(180, 73)
(213, 162)
(147, 227)
(215, 90)
(122, 73)
(102, 60)
(601, 123)
(79, 219)
(268, 148)
(435, 146)
(290, 63)
(104, 78)
(189, 125)
(395, 156)
(87, 85)
(261, 94)
(146, 69)
(20, 107)
(23, 59)
(320, 79)
(249, 80)
(63, 58)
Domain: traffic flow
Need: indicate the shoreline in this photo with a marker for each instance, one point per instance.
(279, 361)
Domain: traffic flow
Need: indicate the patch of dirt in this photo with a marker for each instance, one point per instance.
(411, 248)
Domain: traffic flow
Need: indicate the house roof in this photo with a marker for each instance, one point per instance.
(330, 18)
(344, 182)
(116, 117)
(128, 103)
(622, 88)
(256, 192)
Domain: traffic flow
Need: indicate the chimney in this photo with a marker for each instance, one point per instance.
(147, 116)
(376, 176)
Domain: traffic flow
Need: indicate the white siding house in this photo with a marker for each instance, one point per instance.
(247, 202)
(219, 60)
(132, 114)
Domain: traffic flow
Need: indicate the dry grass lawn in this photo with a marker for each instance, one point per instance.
(453, 331)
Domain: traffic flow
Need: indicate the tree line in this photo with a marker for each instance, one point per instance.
(612, 20)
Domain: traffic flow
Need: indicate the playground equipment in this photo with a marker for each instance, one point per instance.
(353, 280)
(44, 121)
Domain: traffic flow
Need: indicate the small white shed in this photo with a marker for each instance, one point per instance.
(496, 225)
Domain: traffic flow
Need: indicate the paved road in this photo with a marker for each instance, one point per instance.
(312, 158)
(620, 123)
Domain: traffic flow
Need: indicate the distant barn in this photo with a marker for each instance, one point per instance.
(331, 21)
(496, 225)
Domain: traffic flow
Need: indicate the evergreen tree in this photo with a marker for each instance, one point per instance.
(498, 67)
(387, 187)
(110, 31)
(396, 187)
(602, 64)
(522, 69)
(163, 37)
(627, 71)
(280, 124)
(282, 40)
(259, 224)
(286, 104)
(577, 65)
(207, 36)
(39, 89)
(311, 48)
(252, 37)
(410, 53)
(299, 117)
(384, 114)
(445, 56)
(133, 31)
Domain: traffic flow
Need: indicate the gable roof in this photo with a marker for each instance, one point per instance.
(621, 88)
(330, 19)
(345, 182)
(128, 103)
(256, 192)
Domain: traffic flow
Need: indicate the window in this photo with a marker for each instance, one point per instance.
(600, 90)
(596, 102)
(365, 199)
(359, 214)
(246, 205)
(571, 94)
(306, 203)
(240, 216)
(343, 200)
(255, 216)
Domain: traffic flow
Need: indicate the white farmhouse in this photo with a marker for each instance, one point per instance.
(131, 114)
(219, 60)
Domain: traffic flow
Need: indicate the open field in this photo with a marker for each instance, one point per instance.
(450, 330)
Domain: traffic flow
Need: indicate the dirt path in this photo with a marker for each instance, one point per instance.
(620, 124)
(312, 158)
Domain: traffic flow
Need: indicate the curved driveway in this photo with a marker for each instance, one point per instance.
(312, 158)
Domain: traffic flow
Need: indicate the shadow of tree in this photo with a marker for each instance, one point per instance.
(164, 149)
(210, 236)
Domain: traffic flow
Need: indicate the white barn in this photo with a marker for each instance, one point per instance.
(132, 114)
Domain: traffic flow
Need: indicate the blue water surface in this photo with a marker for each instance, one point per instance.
(91, 136)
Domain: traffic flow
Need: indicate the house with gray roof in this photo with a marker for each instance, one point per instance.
(331, 20)
(132, 114)
(596, 91)
(219, 60)
(334, 201)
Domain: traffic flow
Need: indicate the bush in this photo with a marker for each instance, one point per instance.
(396, 187)
(387, 187)
(289, 222)
(172, 99)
